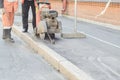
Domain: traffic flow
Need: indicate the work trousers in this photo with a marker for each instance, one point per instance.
(8, 19)
(25, 10)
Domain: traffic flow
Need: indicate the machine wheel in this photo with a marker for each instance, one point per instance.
(42, 36)
(52, 36)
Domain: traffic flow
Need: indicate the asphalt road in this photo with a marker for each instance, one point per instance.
(19, 62)
(97, 54)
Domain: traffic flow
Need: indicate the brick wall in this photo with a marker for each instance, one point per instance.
(89, 10)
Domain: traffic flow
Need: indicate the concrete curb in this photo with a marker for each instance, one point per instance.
(70, 71)
(95, 22)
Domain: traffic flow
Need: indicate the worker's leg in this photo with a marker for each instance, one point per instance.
(25, 10)
(4, 34)
(33, 14)
(11, 24)
(6, 24)
(11, 18)
(6, 20)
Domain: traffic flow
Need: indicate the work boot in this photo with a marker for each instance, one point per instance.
(4, 34)
(25, 30)
(9, 36)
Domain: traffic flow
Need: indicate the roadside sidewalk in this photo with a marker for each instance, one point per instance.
(19, 62)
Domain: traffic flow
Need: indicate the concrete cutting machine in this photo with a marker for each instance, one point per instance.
(46, 21)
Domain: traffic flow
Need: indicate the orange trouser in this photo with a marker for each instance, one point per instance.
(8, 15)
(8, 19)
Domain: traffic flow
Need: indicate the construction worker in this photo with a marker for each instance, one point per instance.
(26, 4)
(10, 7)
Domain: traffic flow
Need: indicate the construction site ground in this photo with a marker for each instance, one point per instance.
(97, 54)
